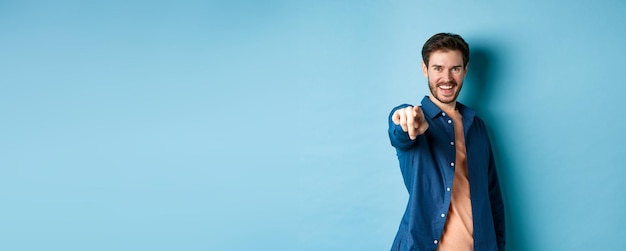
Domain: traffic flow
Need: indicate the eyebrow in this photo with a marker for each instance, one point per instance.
(456, 66)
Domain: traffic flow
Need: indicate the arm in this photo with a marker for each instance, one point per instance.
(497, 205)
(406, 122)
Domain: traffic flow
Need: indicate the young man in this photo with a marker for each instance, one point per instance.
(455, 203)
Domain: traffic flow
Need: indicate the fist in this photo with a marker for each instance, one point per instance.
(412, 121)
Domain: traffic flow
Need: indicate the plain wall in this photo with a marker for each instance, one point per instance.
(261, 125)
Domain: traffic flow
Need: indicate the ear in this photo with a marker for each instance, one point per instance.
(424, 69)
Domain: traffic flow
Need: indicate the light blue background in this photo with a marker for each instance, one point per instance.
(261, 125)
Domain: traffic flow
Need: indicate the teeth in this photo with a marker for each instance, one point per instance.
(445, 87)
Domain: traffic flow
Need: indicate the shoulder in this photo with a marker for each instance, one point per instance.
(473, 116)
(479, 121)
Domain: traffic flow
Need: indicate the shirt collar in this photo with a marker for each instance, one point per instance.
(431, 110)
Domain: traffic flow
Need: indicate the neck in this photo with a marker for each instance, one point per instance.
(449, 107)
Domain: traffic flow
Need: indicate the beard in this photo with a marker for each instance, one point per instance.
(445, 100)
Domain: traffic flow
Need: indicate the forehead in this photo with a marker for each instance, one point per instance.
(446, 58)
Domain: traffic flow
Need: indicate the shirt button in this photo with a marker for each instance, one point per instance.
(443, 215)
(443, 113)
(449, 121)
(436, 241)
(451, 143)
(448, 189)
(452, 164)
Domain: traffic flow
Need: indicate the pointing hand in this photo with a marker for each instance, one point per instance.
(412, 120)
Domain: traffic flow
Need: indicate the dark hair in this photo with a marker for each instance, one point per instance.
(445, 42)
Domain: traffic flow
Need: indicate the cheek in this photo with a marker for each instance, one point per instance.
(459, 79)
(434, 78)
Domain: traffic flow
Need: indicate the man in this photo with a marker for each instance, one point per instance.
(455, 203)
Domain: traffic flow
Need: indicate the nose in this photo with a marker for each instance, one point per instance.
(448, 76)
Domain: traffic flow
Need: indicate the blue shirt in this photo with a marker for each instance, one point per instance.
(427, 166)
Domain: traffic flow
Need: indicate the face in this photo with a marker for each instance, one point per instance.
(445, 74)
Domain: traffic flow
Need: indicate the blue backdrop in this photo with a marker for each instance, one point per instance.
(261, 125)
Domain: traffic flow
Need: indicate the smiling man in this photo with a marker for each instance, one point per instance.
(455, 203)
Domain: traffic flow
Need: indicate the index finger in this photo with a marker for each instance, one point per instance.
(419, 115)
(412, 123)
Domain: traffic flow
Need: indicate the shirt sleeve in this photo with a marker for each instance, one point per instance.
(497, 205)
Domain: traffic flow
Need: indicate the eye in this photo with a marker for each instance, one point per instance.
(456, 69)
(437, 68)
